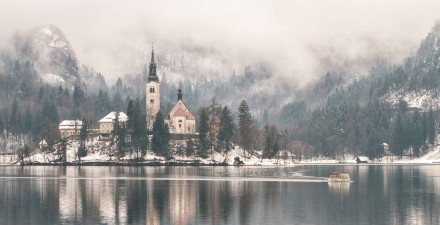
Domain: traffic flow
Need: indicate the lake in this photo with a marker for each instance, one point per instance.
(402, 194)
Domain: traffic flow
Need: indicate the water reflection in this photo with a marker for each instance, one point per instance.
(340, 188)
(378, 195)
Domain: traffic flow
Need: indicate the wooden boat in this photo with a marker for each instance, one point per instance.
(339, 177)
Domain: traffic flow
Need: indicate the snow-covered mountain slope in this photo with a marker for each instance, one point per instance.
(423, 100)
(53, 56)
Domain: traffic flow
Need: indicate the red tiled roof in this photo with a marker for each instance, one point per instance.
(188, 115)
(180, 112)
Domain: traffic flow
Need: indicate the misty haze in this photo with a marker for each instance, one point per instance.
(219, 112)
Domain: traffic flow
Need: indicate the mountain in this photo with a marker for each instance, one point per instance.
(53, 56)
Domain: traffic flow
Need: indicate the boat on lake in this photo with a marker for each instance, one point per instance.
(339, 177)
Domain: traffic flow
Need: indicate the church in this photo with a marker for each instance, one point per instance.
(179, 119)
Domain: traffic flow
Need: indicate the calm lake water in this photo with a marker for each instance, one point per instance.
(219, 195)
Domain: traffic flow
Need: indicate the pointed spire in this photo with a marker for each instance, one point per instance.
(152, 52)
(179, 94)
(152, 75)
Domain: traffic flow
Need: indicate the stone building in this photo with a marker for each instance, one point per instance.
(179, 119)
(70, 127)
(106, 123)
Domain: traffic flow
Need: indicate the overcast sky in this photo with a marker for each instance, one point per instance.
(298, 39)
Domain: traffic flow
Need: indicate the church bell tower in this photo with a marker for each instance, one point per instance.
(152, 93)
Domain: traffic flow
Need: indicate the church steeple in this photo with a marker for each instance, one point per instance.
(152, 75)
(179, 94)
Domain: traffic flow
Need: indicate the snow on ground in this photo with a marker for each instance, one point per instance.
(98, 151)
(422, 100)
(54, 80)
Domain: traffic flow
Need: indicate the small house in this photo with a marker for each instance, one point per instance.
(43, 144)
(70, 127)
(362, 159)
(106, 123)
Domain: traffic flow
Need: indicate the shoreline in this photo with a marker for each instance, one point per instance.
(195, 164)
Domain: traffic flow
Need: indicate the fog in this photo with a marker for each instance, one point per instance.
(297, 40)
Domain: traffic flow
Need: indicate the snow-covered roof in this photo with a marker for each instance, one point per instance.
(110, 118)
(70, 124)
(363, 158)
(43, 142)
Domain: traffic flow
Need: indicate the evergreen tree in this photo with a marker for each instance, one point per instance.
(138, 129)
(121, 143)
(28, 121)
(190, 148)
(51, 133)
(117, 101)
(63, 150)
(13, 119)
(203, 133)
(265, 117)
(50, 111)
(416, 133)
(425, 127)
(38, 123)
(66, 93)
(120, 132)
(102, 104)
(25, 90)
(78, 96)
(226, 130)
(431, 127)
(271, 144)
(398, 137)
(214, 111)
(246, 127)
(161, 137)
(130, 115)
(2, 127)
(75, 114)
(82, 150)
(41, 94)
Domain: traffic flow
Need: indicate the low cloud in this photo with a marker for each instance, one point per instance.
(297, 40)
